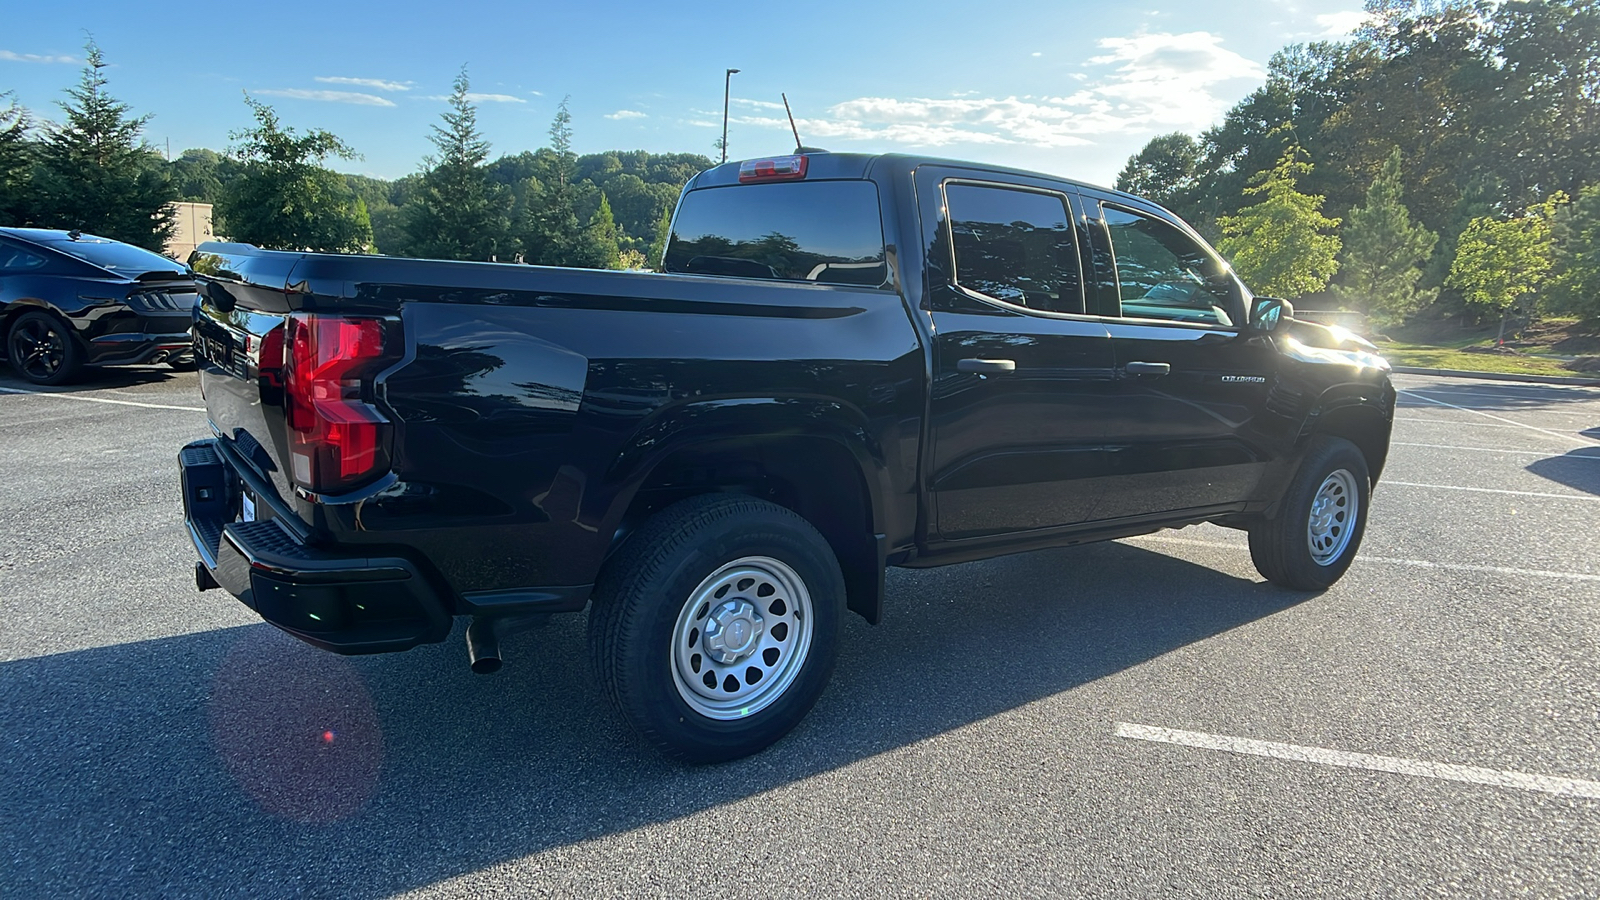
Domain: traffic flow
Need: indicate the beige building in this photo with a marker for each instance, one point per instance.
(193, 221)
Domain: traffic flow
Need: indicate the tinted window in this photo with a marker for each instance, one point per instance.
(124, 259)
(16, 259)
(1015, 246)
(1163, 273)
(822, 231)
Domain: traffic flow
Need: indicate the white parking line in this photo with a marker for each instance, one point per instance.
(1453, 423)
(1539, 453)
(1544, 784)
(1392, 561)
(1477, 490)
(1556, 434)
(6, 390)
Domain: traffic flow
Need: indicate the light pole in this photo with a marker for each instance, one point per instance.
(727, 80)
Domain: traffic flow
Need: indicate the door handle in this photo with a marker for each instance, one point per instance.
(986, 366)
(1147, 368)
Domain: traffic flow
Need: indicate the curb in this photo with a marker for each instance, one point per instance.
(1498, 376)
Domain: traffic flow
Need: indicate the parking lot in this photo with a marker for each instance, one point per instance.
(1137, 718)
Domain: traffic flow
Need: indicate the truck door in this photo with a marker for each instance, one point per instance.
(1022, 376)
(1191, 386)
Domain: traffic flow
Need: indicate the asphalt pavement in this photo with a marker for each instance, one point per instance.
(1131, 719)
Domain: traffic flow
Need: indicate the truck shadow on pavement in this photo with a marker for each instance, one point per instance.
(91, 379)
(1579, 469)
(242, 762)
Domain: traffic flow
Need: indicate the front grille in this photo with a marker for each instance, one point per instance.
(168, 300)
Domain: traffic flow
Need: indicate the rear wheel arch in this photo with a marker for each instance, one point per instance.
(820, 477)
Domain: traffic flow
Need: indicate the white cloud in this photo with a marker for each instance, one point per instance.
(375, 83)
(1038, 54)
(1155, 82)
(755, 104)
(1340, 24)
(34, 58)
(627, 114)
(493, 98)
(330, 96)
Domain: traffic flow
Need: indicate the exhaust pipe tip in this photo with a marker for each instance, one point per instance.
(483, 646)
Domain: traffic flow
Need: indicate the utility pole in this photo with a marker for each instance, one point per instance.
(727, 80)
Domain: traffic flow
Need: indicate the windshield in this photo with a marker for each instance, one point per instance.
(124, 259)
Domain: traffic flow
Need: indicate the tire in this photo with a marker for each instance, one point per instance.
(714, 628)
(43, 350)
(1320, 522)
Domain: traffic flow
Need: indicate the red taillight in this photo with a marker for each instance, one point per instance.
(782, 168)
(334, 433)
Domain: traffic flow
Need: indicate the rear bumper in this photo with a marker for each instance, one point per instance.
(139, 347)
(337, 601)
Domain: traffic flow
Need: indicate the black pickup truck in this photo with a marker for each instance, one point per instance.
(851, 362)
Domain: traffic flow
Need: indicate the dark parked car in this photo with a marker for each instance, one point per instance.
(69, 300)
(852, 362)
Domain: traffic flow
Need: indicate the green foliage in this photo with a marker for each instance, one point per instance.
(16, 158)
(283, 198)
(1500, 261)
(1574, 285)
(94, 172)
(601, 237)
(198, 175)
(1384, 252)
(458, 212)
(1283, 245)
(1163, 171)
(659, 240)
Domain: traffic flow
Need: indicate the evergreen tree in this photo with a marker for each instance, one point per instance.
(1384, 252)
(552, 234)
(458, 212)
(1283, 245)
(600, 237)
(15, 159)
(283, 198)
(95, 174)
(658, 243)
(1575, 285)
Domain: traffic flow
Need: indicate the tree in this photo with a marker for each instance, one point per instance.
(601, 239)
(458, 212)
(15, 160)
(658, 242)
(1384, 252)
(95, 174)
(1283, 245)
(283, 198)
(552, 235)
(1164, 170)
(1501, 261)
(1574, 285)
(198, 175)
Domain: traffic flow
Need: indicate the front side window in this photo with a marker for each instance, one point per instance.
(1163, 273)
(1015, 246)
(830, 232)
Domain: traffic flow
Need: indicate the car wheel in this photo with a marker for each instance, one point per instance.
(1323, 514)
(43, 350)
(714, 628)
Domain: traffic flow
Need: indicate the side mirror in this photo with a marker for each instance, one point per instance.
(1267, 313)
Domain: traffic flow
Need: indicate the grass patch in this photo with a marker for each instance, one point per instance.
(1434, 356)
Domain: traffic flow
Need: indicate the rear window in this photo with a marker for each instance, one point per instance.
(124, 259)
(829, 232)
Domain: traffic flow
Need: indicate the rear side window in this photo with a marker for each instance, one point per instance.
(1015, 246)
(829, 232)
(124, 259)
(16, 259)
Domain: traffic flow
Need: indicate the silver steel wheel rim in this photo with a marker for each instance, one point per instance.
(1334, 509)
(741, 638)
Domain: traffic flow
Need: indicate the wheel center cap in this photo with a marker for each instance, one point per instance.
(733, 630)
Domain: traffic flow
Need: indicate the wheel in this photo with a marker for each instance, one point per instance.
(1318, 528)
(714, 628)
(43, 350)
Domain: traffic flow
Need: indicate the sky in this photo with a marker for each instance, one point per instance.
(1067, 88)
